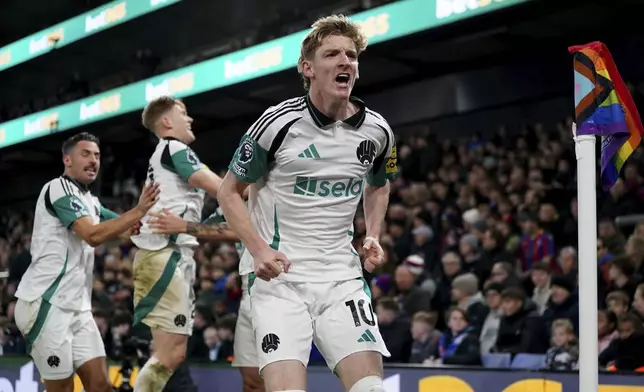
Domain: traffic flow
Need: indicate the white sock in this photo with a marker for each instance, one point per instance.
(152, 377)
(368, 384)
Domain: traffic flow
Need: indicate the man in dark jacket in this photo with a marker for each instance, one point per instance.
(395, 329)
(521, 329)
(563, 303)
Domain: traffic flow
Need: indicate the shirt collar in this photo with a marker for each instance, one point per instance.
(84, 188)
(321, 120)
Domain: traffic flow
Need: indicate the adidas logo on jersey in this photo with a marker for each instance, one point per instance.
(311, 186)
(367, 336)
(310, 152)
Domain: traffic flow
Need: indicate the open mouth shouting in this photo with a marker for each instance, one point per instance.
(90, 171)
(342, 80)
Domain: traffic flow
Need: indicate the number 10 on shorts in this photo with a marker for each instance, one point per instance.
(371, 320)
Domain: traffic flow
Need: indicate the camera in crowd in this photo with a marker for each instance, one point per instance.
(133, 351)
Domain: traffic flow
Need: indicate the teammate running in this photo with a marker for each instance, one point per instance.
(164, 270)
(54, 308)
(307, 159)
(215, 228)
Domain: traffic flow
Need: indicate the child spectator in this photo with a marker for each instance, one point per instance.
(425, 336)
(564, 352)
(606, 328)
(617, 302)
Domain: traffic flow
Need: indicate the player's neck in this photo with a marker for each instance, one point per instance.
(70, 176)
(333, 108)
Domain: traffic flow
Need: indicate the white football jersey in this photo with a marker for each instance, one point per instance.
(171, 165)
(307, 173)
(62, 264)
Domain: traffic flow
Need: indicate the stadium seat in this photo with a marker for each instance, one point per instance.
(528, 361)
(316, 357)
(496, 360)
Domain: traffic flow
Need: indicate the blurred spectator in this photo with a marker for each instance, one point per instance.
(621, 275)
(466, 295)
(612, 239)
(567, 262)
(635, 251)
(381, 286)
(638, 302)
(540, 275)
(411, 298)
(451, 262)
(521, 329)
(627, 351)
(395, 330)
(564, 351)
(425, 337)
(563, 304)
(618, 302)
(492, 321)
(459, 345)
(606, 329)
(537, 245)
(604, 259)
(504, 273)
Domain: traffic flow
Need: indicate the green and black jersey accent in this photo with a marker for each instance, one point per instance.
(261, 125)
(183, 162)
(321, 120)
(251, 160)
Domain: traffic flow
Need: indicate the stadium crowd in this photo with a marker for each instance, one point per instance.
(481, 249)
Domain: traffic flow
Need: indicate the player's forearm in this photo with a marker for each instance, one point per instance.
(214, 232)
(207, 180)
(115, 227)
(238, 218)
(376, 200)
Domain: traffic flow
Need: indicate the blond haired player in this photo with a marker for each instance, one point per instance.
(307, 160)
(54, 308)
(164, 268)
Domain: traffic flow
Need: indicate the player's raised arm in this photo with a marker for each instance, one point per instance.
(376, 199)
(212, 229)
(73, 212)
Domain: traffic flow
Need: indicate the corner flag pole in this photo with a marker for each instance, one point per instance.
(587, 262)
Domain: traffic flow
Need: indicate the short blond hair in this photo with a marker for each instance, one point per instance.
(325, 27)
(156, 108)
(563, 323)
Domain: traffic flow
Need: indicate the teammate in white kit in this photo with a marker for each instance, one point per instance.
(54, 310)
(215, 228)
(307, 159)
(164, 268)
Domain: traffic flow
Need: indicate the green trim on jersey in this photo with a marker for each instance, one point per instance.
(186, 163)
(147, 303)
(366, 287)
(251, 281)
(44, 308)
(250, 161)
(107, 214)
(69, 208)
(276, 234)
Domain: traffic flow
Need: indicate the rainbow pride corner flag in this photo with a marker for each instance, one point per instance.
(604, 107)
